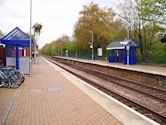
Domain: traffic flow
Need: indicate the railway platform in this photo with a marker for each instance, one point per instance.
(157, 70)
(52, 96)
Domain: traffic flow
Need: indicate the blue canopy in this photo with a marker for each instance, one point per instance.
(16, 38)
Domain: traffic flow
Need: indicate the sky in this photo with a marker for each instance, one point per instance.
(58, 17)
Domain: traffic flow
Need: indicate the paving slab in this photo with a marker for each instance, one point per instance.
(120, 111)
(49, 98)
(6, 98)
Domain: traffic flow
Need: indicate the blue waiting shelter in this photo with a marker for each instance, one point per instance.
(122, 51)
(15, 42)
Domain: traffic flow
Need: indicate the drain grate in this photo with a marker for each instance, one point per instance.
(55, 89)
(36, 90)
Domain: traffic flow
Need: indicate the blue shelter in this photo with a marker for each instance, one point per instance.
(16, 42)
(122, 51)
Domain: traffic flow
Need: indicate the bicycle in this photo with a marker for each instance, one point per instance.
(3, 80)
(20, 76)
(9, 77)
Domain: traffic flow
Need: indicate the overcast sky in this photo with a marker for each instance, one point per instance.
(57, 16)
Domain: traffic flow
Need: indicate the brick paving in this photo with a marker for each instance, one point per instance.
(48, 98)
(6, 96)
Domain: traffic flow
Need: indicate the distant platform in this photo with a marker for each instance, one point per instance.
(157, 70)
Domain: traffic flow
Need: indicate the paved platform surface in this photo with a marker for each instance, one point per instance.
(48, 98)
(123, 113)
(141, 68)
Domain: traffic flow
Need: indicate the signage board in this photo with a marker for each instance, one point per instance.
(99, 52)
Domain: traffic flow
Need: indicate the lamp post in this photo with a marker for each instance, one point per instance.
(76, 51)
(30, 41)
(92, 44)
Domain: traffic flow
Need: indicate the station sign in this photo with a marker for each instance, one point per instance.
(99, 52)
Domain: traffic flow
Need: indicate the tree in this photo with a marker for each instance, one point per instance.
(37, 28)
(153, 11)
(61, 44)
(143, 19)
(64, 38)
(100, 21)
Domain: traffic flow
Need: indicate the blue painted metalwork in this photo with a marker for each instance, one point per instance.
(21, 43)
(16, 32)
(117, 47)
(16, 38)
(124, 56)
(17, 57)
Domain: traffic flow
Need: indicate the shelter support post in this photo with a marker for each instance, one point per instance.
(128, 54)
(17, 58)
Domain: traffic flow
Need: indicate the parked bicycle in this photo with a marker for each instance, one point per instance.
(10, 77)
(19, 75)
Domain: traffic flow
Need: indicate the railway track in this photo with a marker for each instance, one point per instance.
(148, 101)
(158, 94)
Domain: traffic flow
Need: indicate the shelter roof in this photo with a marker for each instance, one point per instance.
(121, 44)
(16, 38)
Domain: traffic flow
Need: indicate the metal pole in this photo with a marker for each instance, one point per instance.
(34, 42)
(92, 44)
(30, 41)
(76, 51)
(128, 54)
(67, 51)
(128, 47)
